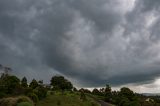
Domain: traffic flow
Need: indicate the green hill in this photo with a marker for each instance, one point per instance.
(66, 99)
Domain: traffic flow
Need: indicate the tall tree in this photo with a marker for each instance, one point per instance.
(126, 92)
(24, 82)
(96, 92)
(33, 84)
(108, 93)
(59, 82)
(40, 82)
(10, 83)
(107, 89)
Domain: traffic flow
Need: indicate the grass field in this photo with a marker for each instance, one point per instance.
(67, 99)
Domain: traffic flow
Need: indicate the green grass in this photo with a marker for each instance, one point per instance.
(24, 104)
(67, 99)
(14, 101)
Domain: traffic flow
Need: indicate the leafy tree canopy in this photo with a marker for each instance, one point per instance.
(24, 82)
(59, 82)
(33, 84)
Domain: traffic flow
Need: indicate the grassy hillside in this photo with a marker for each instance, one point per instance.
(67, 99)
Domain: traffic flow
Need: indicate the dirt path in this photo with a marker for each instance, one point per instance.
(101, 102)
(104, 103)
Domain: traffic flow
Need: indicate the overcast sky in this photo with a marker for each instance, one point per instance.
(90, 42)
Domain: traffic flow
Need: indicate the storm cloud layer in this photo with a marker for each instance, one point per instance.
(91, 42)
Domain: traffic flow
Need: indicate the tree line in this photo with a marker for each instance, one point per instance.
(11, 85)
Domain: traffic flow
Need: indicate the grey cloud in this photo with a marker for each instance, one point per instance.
(148, 5)
(100, 12)
(91, 41)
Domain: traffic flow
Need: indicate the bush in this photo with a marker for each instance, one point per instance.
(83, 96)
(93, 104)
(24, 99)
(41, 92)
(13, 101)
(58, 102)
(50, 93)
(27, 90)
(135, 103)
(34, 97)
(2, 94)
(24, 104)
(8, 101)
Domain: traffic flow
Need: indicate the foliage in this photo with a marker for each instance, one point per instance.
(40, 82)
(58, 102)
(24, 104)
(127, 93)
(24, 99)
(9, 83)
(33, 84)
(83, 96)
(8, 101)
(75, 89)
(70, 99)
(13, 101)
(107, 89)
(60, 83)
(96, 92)
(34, 97)
(84, 90)
(2, 94)
(24, 82)
(108, 93)
(41, 92)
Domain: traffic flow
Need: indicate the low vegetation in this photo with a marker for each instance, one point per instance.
(66, 99)
(16, 101)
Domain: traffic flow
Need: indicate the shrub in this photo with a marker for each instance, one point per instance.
(58, 102)
(27, 90)
(83, 96)
(13, 101)
(8, 101)
(93, 104)
(24, 104)
(34, 97)
(2, 94)
(52, 93)
(135, 103)
(41, 92)
(24, 99)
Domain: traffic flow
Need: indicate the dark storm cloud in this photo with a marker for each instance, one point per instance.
(91, 42)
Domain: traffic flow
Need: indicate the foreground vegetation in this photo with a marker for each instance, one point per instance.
(16, 101)
(66, 99)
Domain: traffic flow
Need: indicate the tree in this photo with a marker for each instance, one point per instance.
(96, 92)
(33, 84)
(75, 89)
(108, 93)
(102, 90)
(24, 82)
(126, 92)
(9, 83)
(60, 83)
(107, 89)
(83, 96)
(40, 82)
(41, 92)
